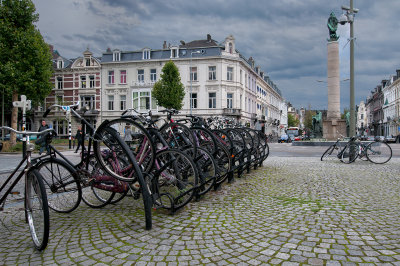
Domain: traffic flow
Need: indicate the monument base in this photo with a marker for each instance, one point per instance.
(334, 128)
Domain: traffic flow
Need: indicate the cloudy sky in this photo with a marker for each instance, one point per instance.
(287, 38)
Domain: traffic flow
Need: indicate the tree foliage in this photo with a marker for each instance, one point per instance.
(169, 90)
(25, 59)
(308, 123)
(293, 121)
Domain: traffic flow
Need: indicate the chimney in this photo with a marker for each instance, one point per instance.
(208, 38)
(164, 46)
(183, 42)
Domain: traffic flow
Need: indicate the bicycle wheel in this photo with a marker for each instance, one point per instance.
(379, 152)
(178, 136)
(177, 177)
(328, 152)
(206, 167)
(37, 209)
(138, 140)
(63, 189)
(224, 163)
(96, 192)
(349, 153)
(108, 148)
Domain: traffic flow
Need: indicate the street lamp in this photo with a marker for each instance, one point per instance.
(191, 78)
(348, 17)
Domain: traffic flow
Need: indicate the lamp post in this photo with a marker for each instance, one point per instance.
(348, 17)
(2, 116)
(191, 79)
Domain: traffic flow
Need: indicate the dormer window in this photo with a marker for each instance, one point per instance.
(146, 54)
(230, 48)
(60, 63)
(87, 61)
(174, 52)
(116, 55)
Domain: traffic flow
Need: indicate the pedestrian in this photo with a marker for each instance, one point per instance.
(128, 133)
(79, 138)
(43, 138)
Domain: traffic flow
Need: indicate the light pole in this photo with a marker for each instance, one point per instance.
(2, 116)
(191, 79)
(348, 17)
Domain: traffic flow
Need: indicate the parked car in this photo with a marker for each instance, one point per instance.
(19, 137)
(390, 139)
(370, 138)
(379, 138)
(284, 139)
(298, 138)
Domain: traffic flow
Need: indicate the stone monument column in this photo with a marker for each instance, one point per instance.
(333, 126)
(333, 81)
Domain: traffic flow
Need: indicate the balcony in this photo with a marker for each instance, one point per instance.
(231, 112)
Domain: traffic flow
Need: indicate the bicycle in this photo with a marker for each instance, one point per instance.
(376, 152)
(35, 198)
(106, 170)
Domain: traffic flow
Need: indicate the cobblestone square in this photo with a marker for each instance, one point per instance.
(292, 211)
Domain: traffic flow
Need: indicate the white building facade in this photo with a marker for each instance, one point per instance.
(218, 81)
(362, 120)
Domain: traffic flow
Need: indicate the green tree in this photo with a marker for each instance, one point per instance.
(308, 119)
(25, 59)
(293, 121)
(169, 90)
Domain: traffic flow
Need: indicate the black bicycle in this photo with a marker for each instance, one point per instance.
(35, 197)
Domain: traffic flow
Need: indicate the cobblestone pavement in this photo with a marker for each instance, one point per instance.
(292, 211)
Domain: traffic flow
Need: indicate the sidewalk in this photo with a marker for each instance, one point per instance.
(292, 211)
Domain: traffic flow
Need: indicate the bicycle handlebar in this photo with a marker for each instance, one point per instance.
(29, 132)
(73, 106)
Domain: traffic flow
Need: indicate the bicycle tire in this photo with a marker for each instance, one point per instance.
(379, 152)
(327, 152)
(205, 138)
(207, 168)
(177, 177)
(224, 163)
(111, 147)
(94, 193)
(349, 153)
(138, 140)
(63, 188)
(178, 136)
(37, 209)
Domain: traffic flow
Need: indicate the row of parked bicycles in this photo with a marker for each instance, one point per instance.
(165, 162)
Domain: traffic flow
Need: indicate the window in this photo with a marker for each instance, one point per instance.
(91, 82)
(174, 52)
(60, 64)
(362, 124)
(193, 101)
(362, 116)
(60, 126)
(153, 75)
(212, 100)
(240, 76)
(245, 79)
(230, 48)
(116, 55)
(111, 77)
(83, 81)
(146, 54)
(229, 100)
(110, 102)
(140, 75)
(142, 100)
(212, 73)
(59, 99)
(122, 102)
(193, 73)
(123, 76)
(88, 100)
(229, 73)
(59, 83)
(87, 61)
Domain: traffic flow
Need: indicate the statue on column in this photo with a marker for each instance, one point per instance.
(332, 26)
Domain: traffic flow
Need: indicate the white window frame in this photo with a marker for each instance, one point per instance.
(138, 95)
(140, 76)
(153, 75)
(122, 101)
(92, 81)
(229, 73)
(122, 78)
(212, 100)
(110, 102)
(146, 54)
(193, 100)
(111, 77)
(117, 56)
(193, 73)
(229, 100)
(89, 100)
(82, 82)
(60, 83)
(212, 73)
